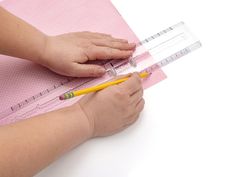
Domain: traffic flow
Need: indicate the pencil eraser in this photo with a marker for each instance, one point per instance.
(62, 97)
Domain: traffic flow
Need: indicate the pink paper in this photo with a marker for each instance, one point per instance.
(22, 81)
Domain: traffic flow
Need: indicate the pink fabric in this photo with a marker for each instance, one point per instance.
(20, 79)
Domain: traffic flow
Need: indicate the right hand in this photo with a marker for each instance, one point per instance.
(114, 108)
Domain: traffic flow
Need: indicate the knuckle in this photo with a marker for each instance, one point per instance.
(107, 43)
(106, 53)
(135, 81)
(70, 70)
(111, 44)
(138, 81)
(109, 51)
(91, 52)
(141, 93)
(142, 103)
(120, 93)
(91, 72)
(122, 97)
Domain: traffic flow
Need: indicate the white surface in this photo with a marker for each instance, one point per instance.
(188, 127)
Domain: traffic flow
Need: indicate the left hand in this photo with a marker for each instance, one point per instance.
(66, 54)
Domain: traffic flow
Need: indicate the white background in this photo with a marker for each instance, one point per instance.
(188, 127)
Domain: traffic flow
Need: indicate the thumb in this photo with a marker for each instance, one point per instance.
(88, 70)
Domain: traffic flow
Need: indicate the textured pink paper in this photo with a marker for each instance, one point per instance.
(23, 79)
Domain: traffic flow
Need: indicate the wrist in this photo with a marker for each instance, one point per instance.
(83, 121)
(42, 57)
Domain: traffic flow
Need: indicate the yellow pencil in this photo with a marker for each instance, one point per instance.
(98, 87)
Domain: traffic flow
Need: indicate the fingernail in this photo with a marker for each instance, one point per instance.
(130, 52)
(132, 44)
(101, 71)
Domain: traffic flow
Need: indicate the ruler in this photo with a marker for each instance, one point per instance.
(165, 47)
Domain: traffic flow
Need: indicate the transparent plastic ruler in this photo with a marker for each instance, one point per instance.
(165, 47)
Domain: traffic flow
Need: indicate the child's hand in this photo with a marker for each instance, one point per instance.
(65, 54)
(114, 108)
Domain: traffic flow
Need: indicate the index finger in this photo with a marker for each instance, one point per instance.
(133, 84)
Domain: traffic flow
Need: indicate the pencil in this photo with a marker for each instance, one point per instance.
(98, 87)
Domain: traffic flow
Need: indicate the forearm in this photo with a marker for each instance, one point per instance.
(28, 146)
(19, 39)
